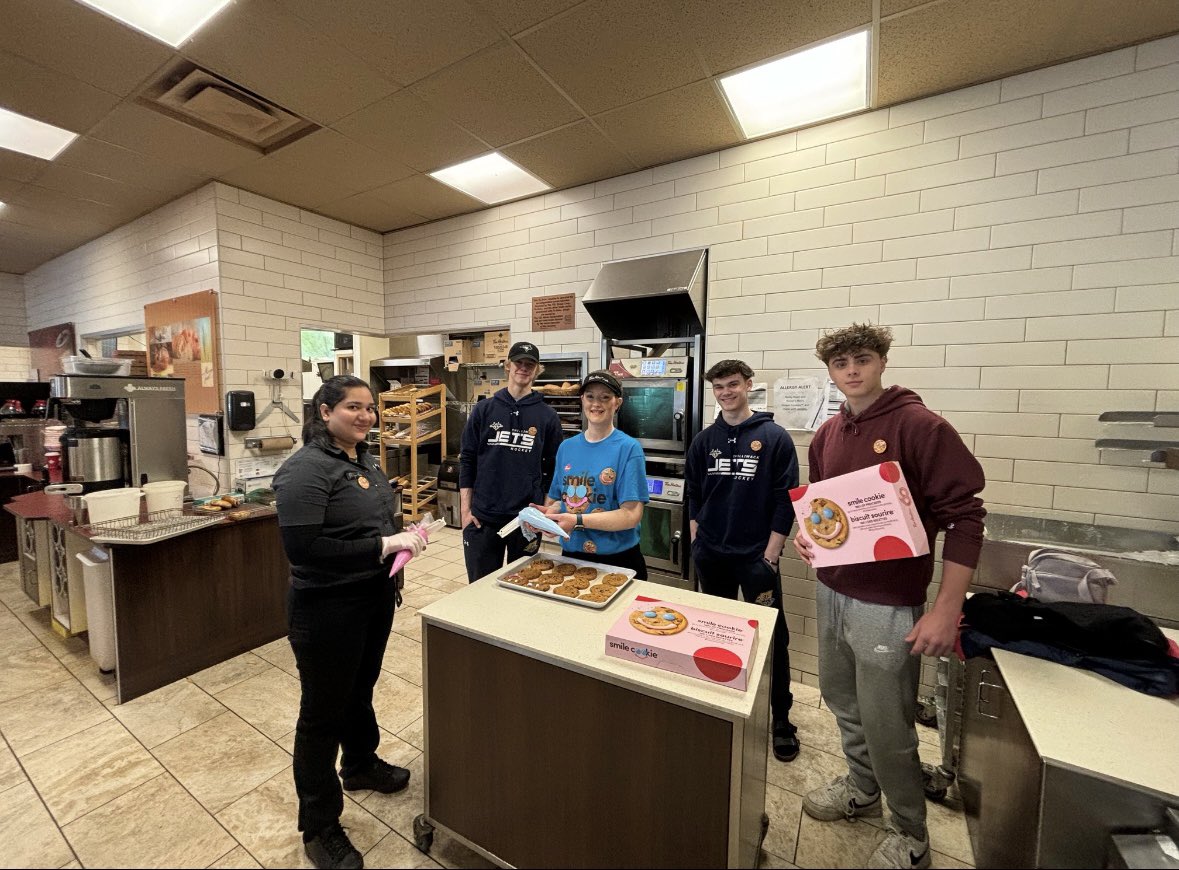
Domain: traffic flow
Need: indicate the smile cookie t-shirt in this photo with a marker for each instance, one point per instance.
(593, 477)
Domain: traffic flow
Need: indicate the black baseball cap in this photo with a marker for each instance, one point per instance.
(524, 350)
(601, 377)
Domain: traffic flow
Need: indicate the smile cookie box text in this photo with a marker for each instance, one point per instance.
(864, 516)
(686, 640)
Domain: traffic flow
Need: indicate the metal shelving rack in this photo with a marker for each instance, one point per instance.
(562, 368)
(422, 491)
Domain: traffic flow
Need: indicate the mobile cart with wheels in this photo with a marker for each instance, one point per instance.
(540, 750)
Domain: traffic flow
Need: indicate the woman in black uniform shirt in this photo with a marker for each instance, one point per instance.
(335, 511)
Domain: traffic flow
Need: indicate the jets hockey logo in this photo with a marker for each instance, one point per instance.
(513, 439)
(740, 467)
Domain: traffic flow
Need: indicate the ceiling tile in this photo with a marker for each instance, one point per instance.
(607, 53)
(20, 256)
(963, 42)
(50, 96)
(99, 188)
(517, 15)
(102, 158)
(338, 158)
(284, 59)
(148, 132)
(411, 132)
(740, 32)
(570, 156)
(405, 40)
(20, 167)
(497, 95)
(427, 197)
(81, 42)
(8, 189)
(682, 123)
(267, 177)
(892, 7)
(366, 210)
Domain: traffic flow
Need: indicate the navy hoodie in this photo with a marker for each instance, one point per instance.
(508, 451)
(739, 480)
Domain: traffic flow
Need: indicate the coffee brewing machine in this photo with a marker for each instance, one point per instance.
(120, 431)
(651, 312)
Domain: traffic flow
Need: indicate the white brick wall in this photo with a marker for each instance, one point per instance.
(14, 363)
(277, 268)
(14, 321)
(1020, 236)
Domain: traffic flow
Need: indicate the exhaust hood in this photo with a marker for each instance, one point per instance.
(410, 350)
(662, 296)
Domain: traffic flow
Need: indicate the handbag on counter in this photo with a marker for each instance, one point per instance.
(1058, 575)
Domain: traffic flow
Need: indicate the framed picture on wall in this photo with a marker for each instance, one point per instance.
(182, 343)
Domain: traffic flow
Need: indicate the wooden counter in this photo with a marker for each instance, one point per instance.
(185, 603)
(541, 751)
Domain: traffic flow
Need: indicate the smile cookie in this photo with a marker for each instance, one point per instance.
(826, 524)
(542, 564)
(659, 620)
(564, 569)
(586, 573)
(614, 579)
(567, 591)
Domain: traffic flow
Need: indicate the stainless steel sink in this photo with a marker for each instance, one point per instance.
(1145, 563)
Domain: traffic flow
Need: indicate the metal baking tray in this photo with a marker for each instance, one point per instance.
(556, 559)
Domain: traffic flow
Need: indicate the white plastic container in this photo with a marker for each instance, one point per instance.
(113, 504)
(100, 607)
(164, 495)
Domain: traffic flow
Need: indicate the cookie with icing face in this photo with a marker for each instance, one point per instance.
(826, 524)
(658, 620)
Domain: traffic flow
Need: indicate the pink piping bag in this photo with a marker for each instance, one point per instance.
(424, 530)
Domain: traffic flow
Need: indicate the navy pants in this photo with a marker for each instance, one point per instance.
(483, 548)
(338, 634)
(759, 583)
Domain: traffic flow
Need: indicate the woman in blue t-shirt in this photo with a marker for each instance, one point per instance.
(600, 484)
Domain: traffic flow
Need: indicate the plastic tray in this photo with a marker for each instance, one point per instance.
(557, 559)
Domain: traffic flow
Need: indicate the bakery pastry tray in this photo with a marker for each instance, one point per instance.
(554, 580)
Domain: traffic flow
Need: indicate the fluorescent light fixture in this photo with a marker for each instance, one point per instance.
(36, 138)
(491, 178)
(816, 83)
(170, 21)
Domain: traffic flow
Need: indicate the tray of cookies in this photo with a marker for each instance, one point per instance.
(584, 583)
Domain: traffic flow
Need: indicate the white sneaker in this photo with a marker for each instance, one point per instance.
(840, 799)
(899, 850)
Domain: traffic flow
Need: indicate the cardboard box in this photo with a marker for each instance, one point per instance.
(456, 351)
(496, 345)
(477, 350)
(864, 516)
(710, 646)
(483, 389)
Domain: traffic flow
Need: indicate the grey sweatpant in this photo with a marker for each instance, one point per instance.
(869, 680)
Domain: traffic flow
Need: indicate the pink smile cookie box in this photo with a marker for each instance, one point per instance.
(698, 643)
(864, 516)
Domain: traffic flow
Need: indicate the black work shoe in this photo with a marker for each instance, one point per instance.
(331, 848)
(379, 776)
(786, 744)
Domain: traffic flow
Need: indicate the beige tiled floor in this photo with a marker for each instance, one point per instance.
(198, 773)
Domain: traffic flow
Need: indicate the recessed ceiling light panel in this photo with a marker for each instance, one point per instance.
(816, 83)
(170, 21)
(32, 137)
(491, 178)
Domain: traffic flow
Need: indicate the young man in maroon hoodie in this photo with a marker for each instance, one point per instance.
(873, 626)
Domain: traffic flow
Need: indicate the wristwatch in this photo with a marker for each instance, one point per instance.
(580, 524)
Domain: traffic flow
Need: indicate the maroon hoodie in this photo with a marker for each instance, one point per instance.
(943, 476)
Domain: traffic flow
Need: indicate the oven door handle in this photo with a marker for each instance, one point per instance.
(678, 419)
(676, 538)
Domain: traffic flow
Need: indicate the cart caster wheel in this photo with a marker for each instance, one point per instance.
(927, 713)
(936, 794)
(423, 834)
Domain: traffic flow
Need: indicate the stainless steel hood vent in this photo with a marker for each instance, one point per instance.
(658, 297)
(410, 350)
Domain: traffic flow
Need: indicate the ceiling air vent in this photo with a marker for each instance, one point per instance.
(199, 97)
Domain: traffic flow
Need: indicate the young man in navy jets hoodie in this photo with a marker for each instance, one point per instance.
(739, 474)
(506, 459)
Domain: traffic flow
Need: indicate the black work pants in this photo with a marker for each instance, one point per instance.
(483, 548)
(759, 583)
(338, 634)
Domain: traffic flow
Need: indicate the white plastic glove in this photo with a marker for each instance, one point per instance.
(411, 541)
